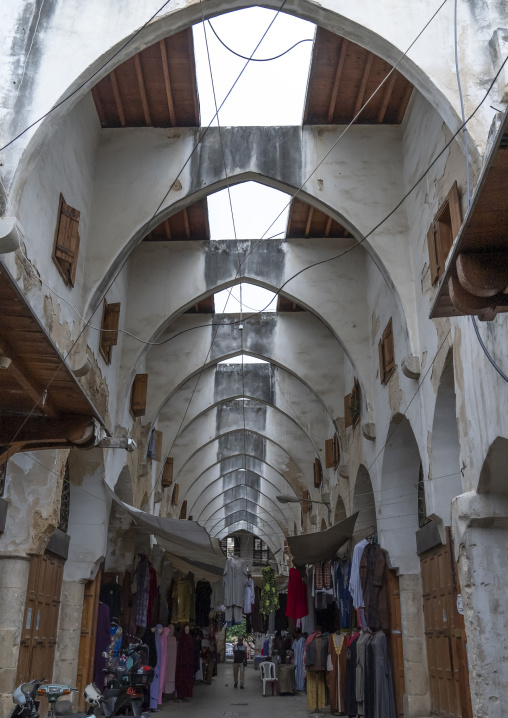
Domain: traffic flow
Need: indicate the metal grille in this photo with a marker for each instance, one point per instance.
(65, 500)
(259, 552)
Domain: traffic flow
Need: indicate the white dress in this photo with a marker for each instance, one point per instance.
(248, 596)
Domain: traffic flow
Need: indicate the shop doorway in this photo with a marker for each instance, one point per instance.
(444, 633)
(88, 634)
(40, 620)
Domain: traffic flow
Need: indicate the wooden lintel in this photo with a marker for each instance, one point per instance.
(483, 274)
(192, 68)
(336, 82)
(363, 85)
(386, 97)
(42, 430)
(309, 221)
(167, 228)
(328, 226)
(142, 90)
(167, 82)
(118, 99)
(186, 223)
(21, 374)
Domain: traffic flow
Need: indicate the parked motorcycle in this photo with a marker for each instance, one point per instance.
(127, 687)
(27, 695)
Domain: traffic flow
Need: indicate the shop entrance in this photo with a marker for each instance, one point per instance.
(40, 620)
(445, 634)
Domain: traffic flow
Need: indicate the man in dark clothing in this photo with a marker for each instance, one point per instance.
(240, 661)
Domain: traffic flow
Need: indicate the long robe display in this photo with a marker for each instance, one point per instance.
(185, 665)
(298, 651)
(154, 688)
(235, 577)
(296, 606)
(169, 677)
(315, 663)
(335, 678)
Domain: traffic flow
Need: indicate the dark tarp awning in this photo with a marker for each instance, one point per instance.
(323, 545)
(185, 539)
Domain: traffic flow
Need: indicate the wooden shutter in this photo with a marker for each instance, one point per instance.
(453, 200)
(174, 497)
(167, 473)
(138, 394)
(329, 459)
(348, 419)
(356, 399)
(388, 350)
(183, 510)
(88, 635)
(158, 446)
(433, 259)
(336, 450)
(318, 473)
(109, 327)
(66, 246)
(382, 373)
(306, 506)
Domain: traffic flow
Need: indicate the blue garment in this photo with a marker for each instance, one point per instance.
(154, 688)
(344, 597)
(266, 647)
(298, 650)
(150, 452)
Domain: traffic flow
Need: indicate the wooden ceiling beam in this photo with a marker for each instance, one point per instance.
(190, 41)
(6, 454)
(403, 104)
(42, 430)
(98, 104)
(328, 226)
(186, 223)
(142, 90)
(167, 82)
(118, 99)
(386, 97)
(336, 82)
(309, 221)
(21, 374)
(363, 84)
(167, 228)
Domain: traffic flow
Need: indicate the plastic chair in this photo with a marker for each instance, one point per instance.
(267, 669)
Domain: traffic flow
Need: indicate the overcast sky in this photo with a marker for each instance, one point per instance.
(268, 93)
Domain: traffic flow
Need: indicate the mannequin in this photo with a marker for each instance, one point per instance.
(185, 667)
(154, 688)
(315, 663)
(169, 678)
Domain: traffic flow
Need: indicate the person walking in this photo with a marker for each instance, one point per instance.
(240, 661)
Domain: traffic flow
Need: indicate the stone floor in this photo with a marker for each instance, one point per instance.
(221, 700)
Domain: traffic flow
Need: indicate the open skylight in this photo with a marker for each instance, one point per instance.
(267, 93)
(246, 360)
(254, 299)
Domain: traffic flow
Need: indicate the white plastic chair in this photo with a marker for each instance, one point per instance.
(267, 669)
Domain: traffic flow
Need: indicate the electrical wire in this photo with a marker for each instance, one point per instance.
(256, 59)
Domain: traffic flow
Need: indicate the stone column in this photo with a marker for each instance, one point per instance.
(480, 529)
(69, 632)
(416, 676)
(14, 571)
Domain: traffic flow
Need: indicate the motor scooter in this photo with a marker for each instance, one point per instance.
(126, 689)
(26, 698)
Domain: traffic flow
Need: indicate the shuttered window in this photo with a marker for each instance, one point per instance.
(109, 329)
(442, 232)
(336, 450)
(306, 504)
(318, 473)
(66, 246)
(352, 409)
(174, 496)
(348, 419)
(167, 473)
(138, 395)
(386, 354)
(332, 452)
(183, 510)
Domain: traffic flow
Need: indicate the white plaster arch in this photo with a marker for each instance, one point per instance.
(364, 502)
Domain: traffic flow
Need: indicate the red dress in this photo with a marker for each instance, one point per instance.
(296, 606)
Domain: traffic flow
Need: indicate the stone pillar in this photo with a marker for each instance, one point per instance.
(14, 571)
(65, 667)
(480, 529)
(416, 676)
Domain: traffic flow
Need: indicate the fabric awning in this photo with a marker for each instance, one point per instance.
(185, 539)
(323, 545)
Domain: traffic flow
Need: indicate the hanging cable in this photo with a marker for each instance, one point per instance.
(256, 59)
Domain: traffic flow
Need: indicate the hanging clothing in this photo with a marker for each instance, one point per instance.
(333, 677)
(350, 705)
(256, 619)
(385, 706)
(142, 582)
(203, 603)
(316, 653)
(316, 694)
(355, 584)
(111, 593)
(360, 681)
(153, 593)
(248, 596)
(373, 568)
(102, 639)
(182, 599)
(298, 650)
(217, 599)
(370, 677)
(185, 665)
(343, 597)
(149, 640)
(169, 676)
(235, 576)
(150, 450)
(309, 621)
(281, 621)
(154, 687)
(269, 601)
(296, 606)
(163, 660)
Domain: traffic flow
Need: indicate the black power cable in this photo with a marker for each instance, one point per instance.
(255, 59)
